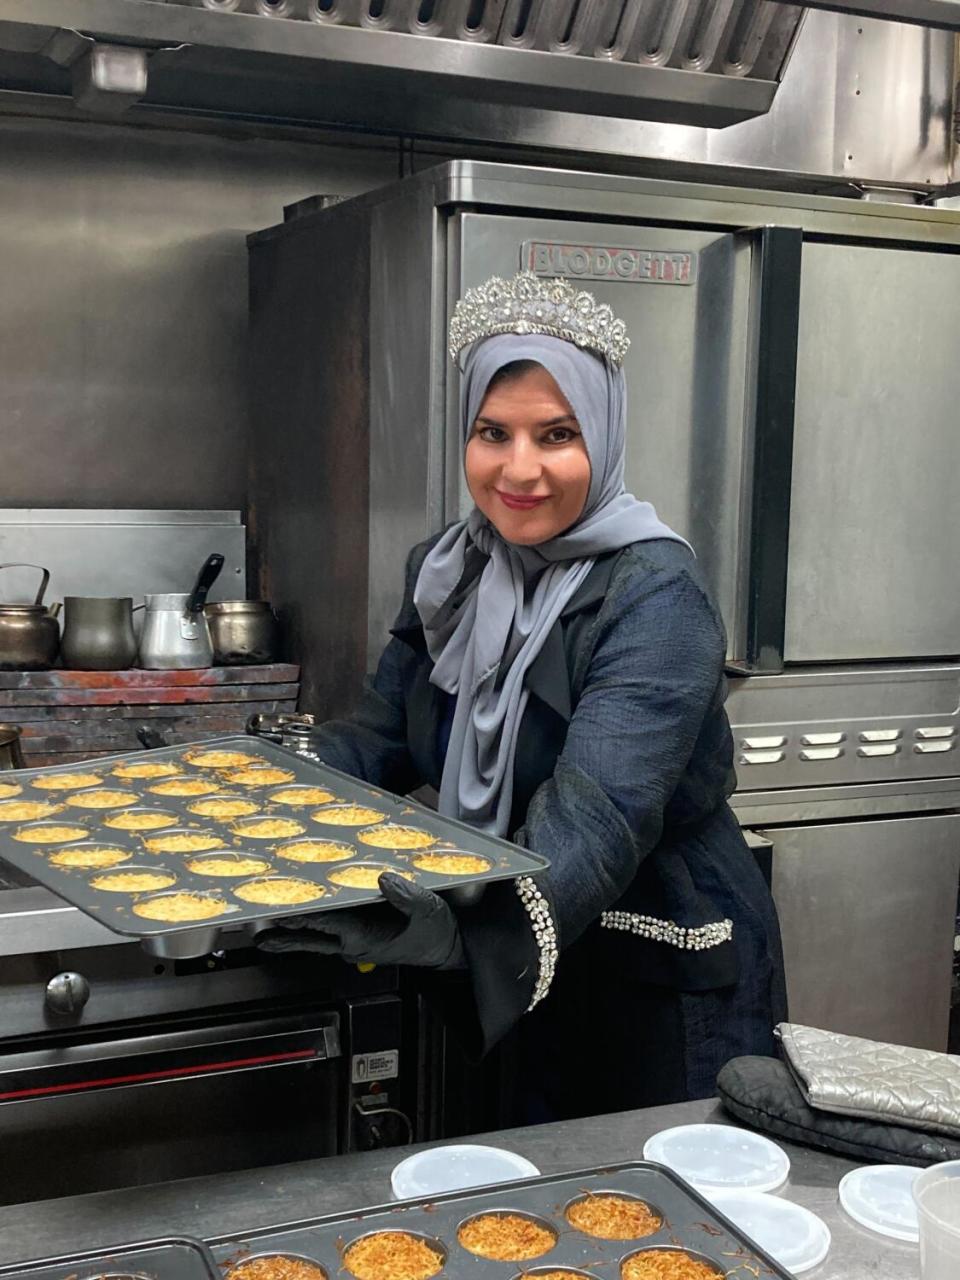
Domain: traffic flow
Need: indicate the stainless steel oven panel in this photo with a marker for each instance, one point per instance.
(867, 910)
(875, 525)
(188, 1125)
(686, 372)
(823, 726)
(155, 1057)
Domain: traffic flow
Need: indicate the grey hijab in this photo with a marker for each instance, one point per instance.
(485, 620)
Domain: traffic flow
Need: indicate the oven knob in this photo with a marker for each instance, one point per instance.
(67, 993)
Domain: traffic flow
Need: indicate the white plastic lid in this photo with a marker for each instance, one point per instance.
(428, 1173)
(793, 1236)
(880, 1196)
(720, 1155)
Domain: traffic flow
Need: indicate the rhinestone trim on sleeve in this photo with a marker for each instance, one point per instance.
(694, 938)
(545, 933)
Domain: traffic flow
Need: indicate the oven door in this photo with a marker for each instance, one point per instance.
(90, 1115)
(867, 912)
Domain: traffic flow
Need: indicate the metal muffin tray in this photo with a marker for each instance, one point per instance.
(688, 1224)
(168, 1259)
(182, 939)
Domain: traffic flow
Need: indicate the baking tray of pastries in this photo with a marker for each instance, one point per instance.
(175, 1258)
(176, 845)
(636, 1221)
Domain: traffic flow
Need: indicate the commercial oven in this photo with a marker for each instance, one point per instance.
(792, 390)
(117, 1069)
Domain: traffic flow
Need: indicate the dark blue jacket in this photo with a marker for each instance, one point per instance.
(623, 768)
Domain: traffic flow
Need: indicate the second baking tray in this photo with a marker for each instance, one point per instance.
(688, 1224)
(63, 864)
(168, 1259)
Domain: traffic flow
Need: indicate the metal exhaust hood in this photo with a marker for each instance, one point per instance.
(693, 62)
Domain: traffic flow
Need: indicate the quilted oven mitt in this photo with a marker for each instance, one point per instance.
(763, 1093)
(850, 1076)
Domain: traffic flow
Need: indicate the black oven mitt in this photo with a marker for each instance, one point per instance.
(763, 1093)
(413, 926)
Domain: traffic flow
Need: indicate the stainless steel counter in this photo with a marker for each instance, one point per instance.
(230, 1202)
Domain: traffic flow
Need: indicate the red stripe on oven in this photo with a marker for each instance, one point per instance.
(170, 1074)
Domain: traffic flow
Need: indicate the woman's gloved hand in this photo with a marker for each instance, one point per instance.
(413, 926)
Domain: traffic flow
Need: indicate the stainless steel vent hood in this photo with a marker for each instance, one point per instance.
(692, 62)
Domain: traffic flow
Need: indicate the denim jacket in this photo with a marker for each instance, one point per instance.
(623, 767)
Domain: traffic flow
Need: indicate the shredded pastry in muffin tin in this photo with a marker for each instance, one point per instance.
(51, 833)
(268, 828)
(667, 1264)
(612, 1217)
(103, 798)
(176, 907)
(364, 876)
(145, 769)
(66, 781)
(26, 810)
(133, 881)
(279, 892)
(506, 1237)
(141, 820)
(183, 842)
(89, 858)
(396, 837)
(185, 787)
(392, 1255)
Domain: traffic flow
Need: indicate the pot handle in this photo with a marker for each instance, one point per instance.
(43, 582)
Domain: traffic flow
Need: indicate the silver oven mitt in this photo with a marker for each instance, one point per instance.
(413, 926)
(850, 1076)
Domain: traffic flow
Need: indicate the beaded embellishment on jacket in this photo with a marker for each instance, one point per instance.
(545, 933)
(695, 938)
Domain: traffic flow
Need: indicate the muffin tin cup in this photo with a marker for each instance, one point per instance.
(129, 868)
(191, 939)
(428, 1238)
(49, 824)
(235, 1272)
(140, 832)
(690, 1224)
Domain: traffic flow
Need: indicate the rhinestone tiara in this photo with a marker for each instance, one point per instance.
(528, 304)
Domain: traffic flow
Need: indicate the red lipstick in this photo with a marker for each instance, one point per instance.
(517, 502)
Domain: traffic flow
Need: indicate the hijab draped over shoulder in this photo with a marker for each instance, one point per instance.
(488, 605)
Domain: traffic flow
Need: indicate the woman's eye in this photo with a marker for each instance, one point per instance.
(492, 435)
(561, 435)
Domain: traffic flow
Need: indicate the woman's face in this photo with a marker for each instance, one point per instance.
(526, 462)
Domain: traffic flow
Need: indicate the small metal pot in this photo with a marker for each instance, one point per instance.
(244, 632)
(29, 633)
(98, 633)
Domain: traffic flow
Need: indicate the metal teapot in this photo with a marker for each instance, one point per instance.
(29, 633)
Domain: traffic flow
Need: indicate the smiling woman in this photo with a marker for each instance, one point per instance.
(526, 463)
(556, 674)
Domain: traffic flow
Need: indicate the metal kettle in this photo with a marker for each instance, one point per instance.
(29, 633)
(175, 634)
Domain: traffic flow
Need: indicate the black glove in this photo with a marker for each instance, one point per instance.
(413, 926)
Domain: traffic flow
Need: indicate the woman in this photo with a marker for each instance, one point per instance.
(556, 671)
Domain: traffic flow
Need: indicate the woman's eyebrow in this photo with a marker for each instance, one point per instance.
(549, 422)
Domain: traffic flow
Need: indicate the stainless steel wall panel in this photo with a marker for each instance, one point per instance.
(407, 437)
(875, 525)
(123, 327)
(876, 902)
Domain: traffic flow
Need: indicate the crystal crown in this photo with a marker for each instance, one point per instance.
(528, 304)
